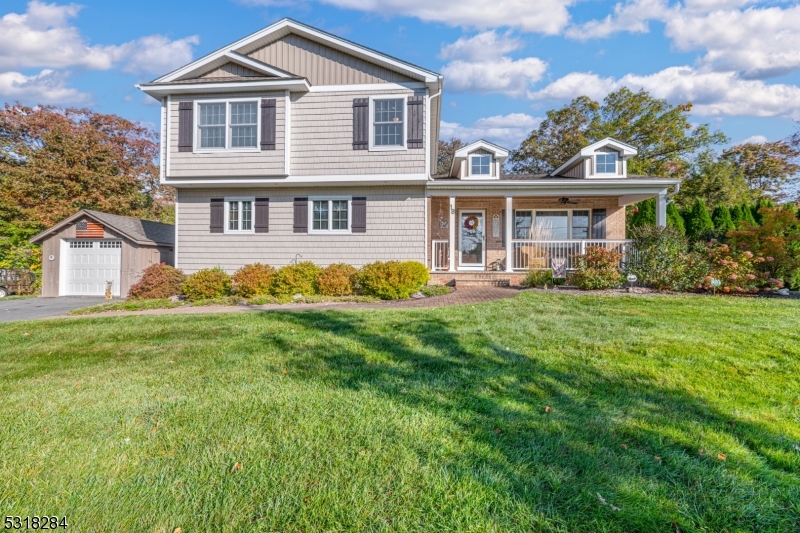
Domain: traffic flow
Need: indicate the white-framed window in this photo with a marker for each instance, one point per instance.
(239, 215)
(387, 128)
(329, 215)
(480, 165)
(606, 163)
(552, 225)
(227, 125)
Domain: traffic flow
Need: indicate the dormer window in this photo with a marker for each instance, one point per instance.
(606, 163)
(480, 165)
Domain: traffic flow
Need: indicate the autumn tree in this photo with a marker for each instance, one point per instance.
(768, 166)
(662, 134)
(717, 180)
(55, 161)
(445, 155)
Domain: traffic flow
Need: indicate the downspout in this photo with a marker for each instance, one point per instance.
(428, 170)
(428, 125)
(673, 193)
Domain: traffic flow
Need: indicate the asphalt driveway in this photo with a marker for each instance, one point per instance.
(32, 308)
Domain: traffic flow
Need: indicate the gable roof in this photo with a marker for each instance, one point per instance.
(140, 231)
(626, 150)
(287, 26)
(462, 153)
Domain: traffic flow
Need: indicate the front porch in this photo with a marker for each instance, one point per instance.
(489, 240)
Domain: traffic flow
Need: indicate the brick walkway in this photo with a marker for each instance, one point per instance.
(462, 296)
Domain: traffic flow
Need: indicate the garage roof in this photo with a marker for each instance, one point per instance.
(144, 232)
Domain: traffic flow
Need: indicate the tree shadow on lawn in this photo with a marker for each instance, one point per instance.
(625, 437)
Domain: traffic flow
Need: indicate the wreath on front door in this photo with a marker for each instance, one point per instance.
(471, 223)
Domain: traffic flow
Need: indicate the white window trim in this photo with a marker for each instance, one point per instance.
(470, 175)
(252, 201)
(616, 163)
(227, 101)
(372, 147)
(329, 199)
(569, 222)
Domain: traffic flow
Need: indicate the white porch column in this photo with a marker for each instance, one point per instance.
(509, 234)
(452, 241)
(661, 209)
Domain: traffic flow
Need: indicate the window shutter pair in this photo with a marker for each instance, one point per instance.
(415, 119)
(598, 223)
(268, 124)
(261, 222)
(358, 218)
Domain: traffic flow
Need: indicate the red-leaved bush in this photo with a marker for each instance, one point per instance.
(252, 280)
(336, 280)
(158, 281)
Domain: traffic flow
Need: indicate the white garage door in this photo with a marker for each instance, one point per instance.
(90, 264)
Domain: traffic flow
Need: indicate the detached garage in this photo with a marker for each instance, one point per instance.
(84, 252)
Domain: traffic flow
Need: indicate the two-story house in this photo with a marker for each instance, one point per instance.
(294, 144)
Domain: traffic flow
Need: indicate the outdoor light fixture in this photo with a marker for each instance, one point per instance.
(564, 201)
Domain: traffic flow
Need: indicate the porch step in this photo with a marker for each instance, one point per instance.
(480, 281)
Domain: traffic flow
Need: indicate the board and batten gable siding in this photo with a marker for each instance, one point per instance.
(395, 230)
(231, 70)
(322, 137)
(227, 164)
(320, 64)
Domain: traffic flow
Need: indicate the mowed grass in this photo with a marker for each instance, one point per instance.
(411, 420)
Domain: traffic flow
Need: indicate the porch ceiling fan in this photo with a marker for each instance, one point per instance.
(564, 201)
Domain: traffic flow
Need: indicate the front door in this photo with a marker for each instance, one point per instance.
(472, 240)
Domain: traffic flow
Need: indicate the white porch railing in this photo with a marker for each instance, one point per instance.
(527, 254)
(440, 256)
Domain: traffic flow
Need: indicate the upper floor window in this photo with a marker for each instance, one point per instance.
(481, 165)
(239, 215)
(224, 125)
(606, 163)
(388, 123)
(330, 215)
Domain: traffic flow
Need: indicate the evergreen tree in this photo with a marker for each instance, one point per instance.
(674, 218)
(722, 219)
(737, 216)
(762, 202)
(699, 219)
(646, 215)
(747, 215)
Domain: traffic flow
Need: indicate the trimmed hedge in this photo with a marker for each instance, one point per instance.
(336, 280)
(392, 280)
(252, 280)
(295, 279)
(206, 284)
(157, 281)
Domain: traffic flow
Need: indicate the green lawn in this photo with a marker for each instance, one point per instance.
(429, 420)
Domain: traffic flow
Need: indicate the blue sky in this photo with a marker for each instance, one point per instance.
(505, 61)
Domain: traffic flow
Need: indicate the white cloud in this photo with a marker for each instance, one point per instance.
(47, 87)
(44, 37)
(508, 131)
(758, 42)
(712, 93)
(543, 16)
(755, 139)
(479, 64)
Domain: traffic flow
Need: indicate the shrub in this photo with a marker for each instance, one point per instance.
(157, 281)
(206, 284)
(538, 278)
(252, 280)
(392, 280)
(733, 267)
(336, 280)
(675, 219)
(662, 259)
(295, 279)
(698, 219)
(598, 268)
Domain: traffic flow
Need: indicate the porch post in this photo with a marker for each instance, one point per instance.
(452, 241)
(509, 234)
(661, 209)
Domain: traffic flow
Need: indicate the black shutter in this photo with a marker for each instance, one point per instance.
(416, 122)
(217, 216)
(359, 216)
(360, 123)
(268, 124)
(262, 215)
(301, 215)
(185, 126)
(598, 223)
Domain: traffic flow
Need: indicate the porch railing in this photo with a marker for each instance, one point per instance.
(527, 254)
(440, 255)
